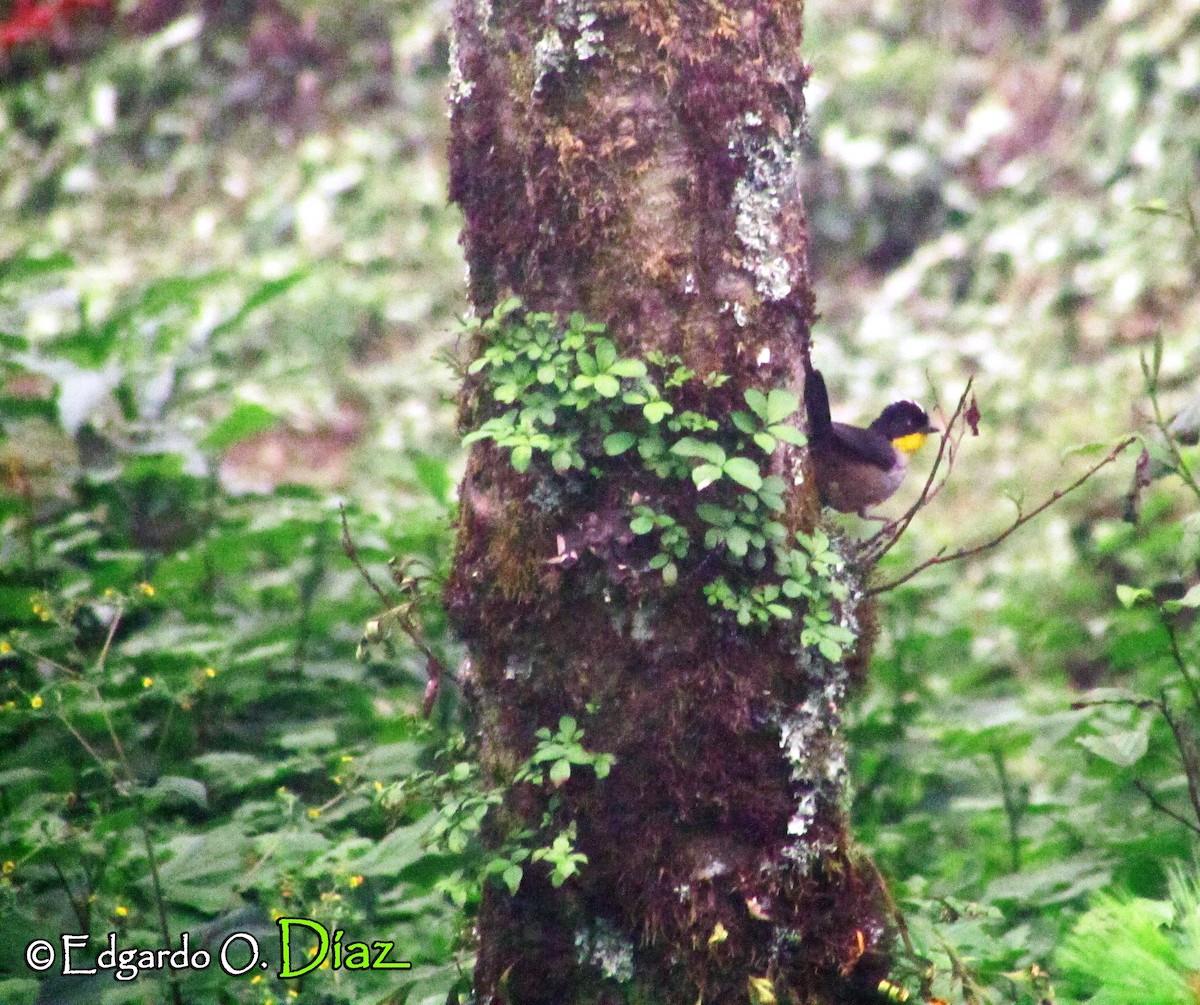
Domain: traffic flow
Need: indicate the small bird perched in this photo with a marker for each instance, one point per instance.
(856, 467)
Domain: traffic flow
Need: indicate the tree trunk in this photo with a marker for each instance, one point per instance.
(637, 162)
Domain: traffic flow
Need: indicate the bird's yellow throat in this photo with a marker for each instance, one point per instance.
(911, 443)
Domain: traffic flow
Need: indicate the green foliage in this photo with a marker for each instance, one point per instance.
(465, 802)
(189, 742)
(585, 407)
(1126, 949)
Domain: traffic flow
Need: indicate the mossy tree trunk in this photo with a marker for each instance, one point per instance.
(637, 161)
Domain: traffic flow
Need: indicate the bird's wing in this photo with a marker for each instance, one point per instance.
(863, 445)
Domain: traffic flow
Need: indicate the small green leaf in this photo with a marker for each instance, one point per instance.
(789, 434)
(670, 574)
(780, 404)
(607, 386)
(745, 472)
(689, 446)
(606, 355)
(656, 411)
(1189, 599)
(718, 516)
(765, 442)
(560, 771)
(744, 422)
(641, 524)
(521, 456)
(780, 611)
(757, 402)
(628, 368)
(1130, 596)
(705, 474)
(617, 443)
(737, 540)
(1122, 749)
(511, 877)
(829, 649)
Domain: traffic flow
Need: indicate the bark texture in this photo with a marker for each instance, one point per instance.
(636, 160)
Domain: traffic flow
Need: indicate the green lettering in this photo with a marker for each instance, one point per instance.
(381, 961)
(357, 957)
(285, 945)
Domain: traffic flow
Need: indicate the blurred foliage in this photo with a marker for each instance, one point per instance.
(226, 267)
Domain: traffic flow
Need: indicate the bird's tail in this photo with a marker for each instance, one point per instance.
(816, 404)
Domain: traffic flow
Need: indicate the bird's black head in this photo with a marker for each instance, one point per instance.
(904, 421)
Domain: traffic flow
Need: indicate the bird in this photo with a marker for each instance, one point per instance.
(859, 468)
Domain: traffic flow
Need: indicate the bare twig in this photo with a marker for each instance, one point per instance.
(1166, 810)
(876, 547)
(893, 907)
(1022, 518)
(1185, 741)
(82, 915)
(1150, 373)
(1177, 656)
(352, 554)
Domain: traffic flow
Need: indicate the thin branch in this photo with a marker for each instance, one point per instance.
(1182, 467)
(891, 532)
(399, 611)
(1157, 804)
(160, 902)
(80, 909)
(1020, 521)
(1186, 743)
(892, 907)
(352, 554)
(1177, 655)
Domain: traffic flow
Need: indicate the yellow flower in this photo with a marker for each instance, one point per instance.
(5, 648)
(355, 881)
(8, 867)
(36, 701)
(314, 813)
(146, 589)
(109, 593)
(122, 911)
(293, 993)
(209, 672)
(347, 758)
(379, 786)
(147, 682)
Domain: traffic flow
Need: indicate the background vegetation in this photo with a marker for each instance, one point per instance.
(227, 270)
